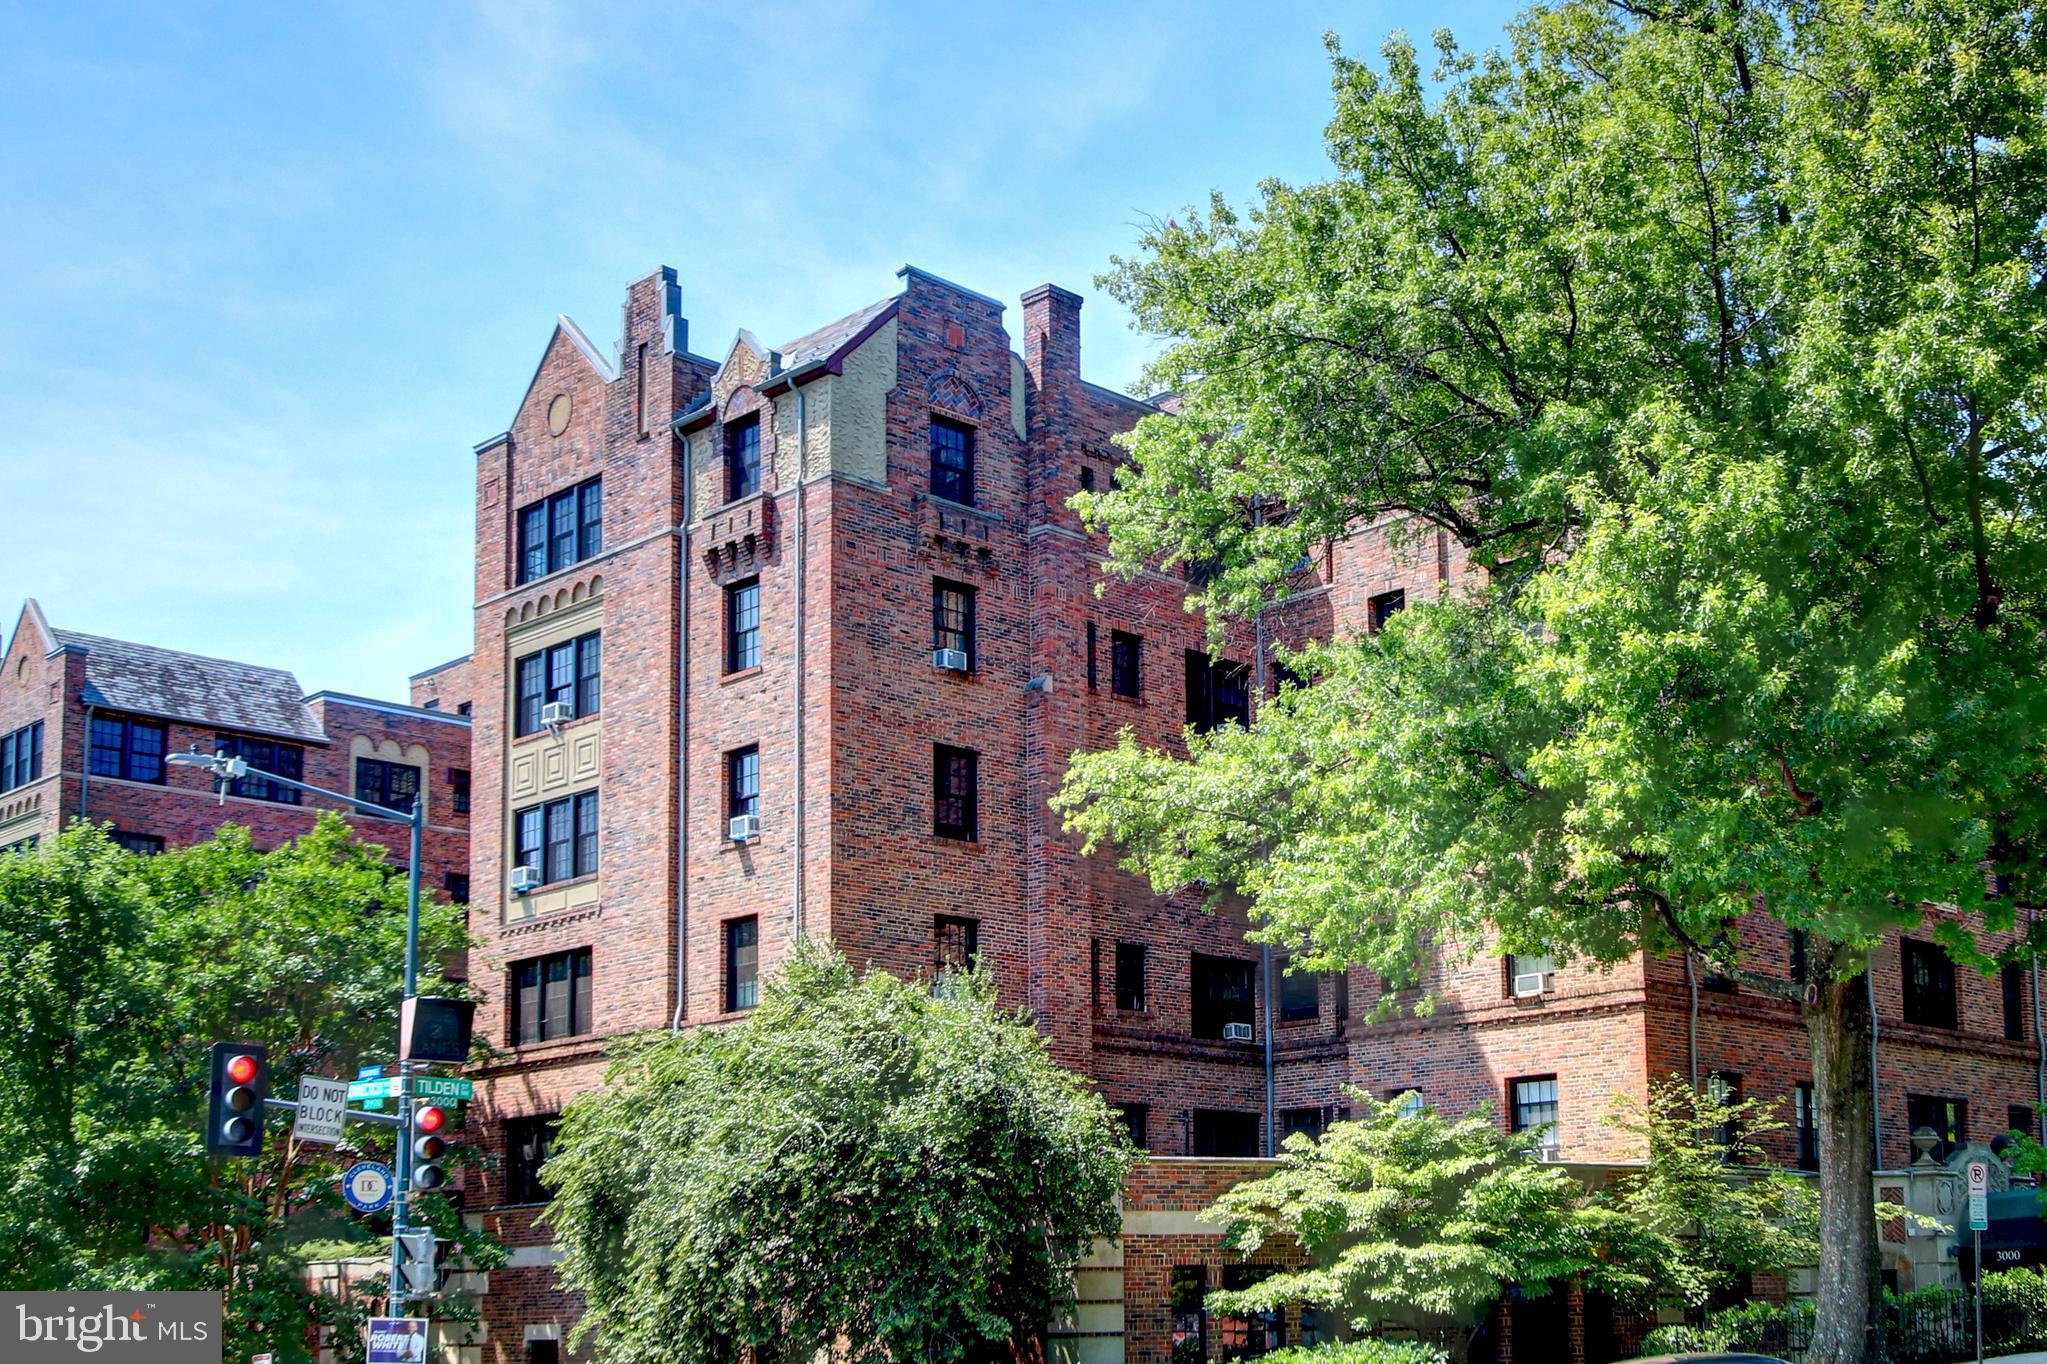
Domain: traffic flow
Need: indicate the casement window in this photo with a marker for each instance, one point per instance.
(1945, 1116)
(1304, 1120)
(145, 845)
(1801, 943)
(1094, 676)
(955, 792)
(392, 785)
(1406, 1099)
(129, 749)
(1224, 992)
(1189, 1303)
(456, 886)
(264, 755)
(1126, 663)
(1805, 1122)
(743, 782)
(1225, 1132)
(1929, 975)
(561, 530)
(1259, 1333)
(458, 789)
(743, 626)
(742, 964)
(1130, 977)
(952, 618)
(1136, 1120)
(551, 997)
(21, 845)
(1087, 478)
(955, 943)
(559, 838)
(1300, 993)
(571, 673)
(2012, 986)
(21, 756)
(1532, 1106)
(1218, 691)
(743, 457)
(528, 1144)
(952, 461)
(2019, 1118)
(1380, 609)
(1724, 1087)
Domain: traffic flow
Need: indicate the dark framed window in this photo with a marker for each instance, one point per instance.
(1258, 1334)
(2019, 1118)
(560, 838)
(1305, 1120)
(1532, 1106)
(21, 756)
(571, 672)
(2012, 985)
(458, 789)
(147, 845)
(1224, 992)
(1380, 609)
(561, 530)
(551, 997)
(1801, 943)
(955, 792)
(1126, 663)
(22, 845)
(952, 461)
(264, 756)
(528, 1144)
(1805, 1123)
(1189, 1294)
(1136, 1120)
(1130, 992)
(1218, 691)
(952, 618)
(742, 964)
(129, 749)
(1948, 1118)
(743, 781)
(1225, 1132)
(743, 457)
(1520, 966)
(546, 1350)
(743, 626)
(1724, 1087)
(1407, 1099)
(1929, 975)
(1094, 676)
(1300, 993)
(955, 943)
(456, 886)
(1087, 478)
(392, 785)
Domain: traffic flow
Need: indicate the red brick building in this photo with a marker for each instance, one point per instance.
(798, 639)
(86, 722)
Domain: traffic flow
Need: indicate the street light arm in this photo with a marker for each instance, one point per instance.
(234, 769)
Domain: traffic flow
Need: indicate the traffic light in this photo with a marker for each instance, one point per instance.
(434, 1029)
(428, 1147)
(422, 1266)
(234, 1104)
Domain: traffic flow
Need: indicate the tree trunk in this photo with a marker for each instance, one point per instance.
(1837, 1026)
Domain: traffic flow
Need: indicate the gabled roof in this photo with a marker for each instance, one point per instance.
(168, 685)
(825, 342)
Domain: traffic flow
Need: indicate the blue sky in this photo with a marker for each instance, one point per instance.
(268, 272)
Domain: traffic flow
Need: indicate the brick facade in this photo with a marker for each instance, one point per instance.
(844, 537)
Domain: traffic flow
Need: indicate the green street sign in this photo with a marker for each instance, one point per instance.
(434, 1087)
(374, 1089)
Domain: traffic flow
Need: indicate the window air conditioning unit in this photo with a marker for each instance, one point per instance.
(525, 880)
(743, 828)
(1529, 984)
(1236, 1032)
(1548, 1155)
(951, 660)
(556, 713)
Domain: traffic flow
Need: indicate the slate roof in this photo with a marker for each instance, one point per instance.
(169, 685)
(826, 339)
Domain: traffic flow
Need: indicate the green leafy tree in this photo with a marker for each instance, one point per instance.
(862, 1165)
(1403, 1211)
(127, 970)
(1713, 333)
(1709, 1191)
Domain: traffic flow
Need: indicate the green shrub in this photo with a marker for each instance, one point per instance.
(1682, 1340)
(1370, 1351)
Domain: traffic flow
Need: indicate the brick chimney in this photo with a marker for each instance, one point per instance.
(1051, 340)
